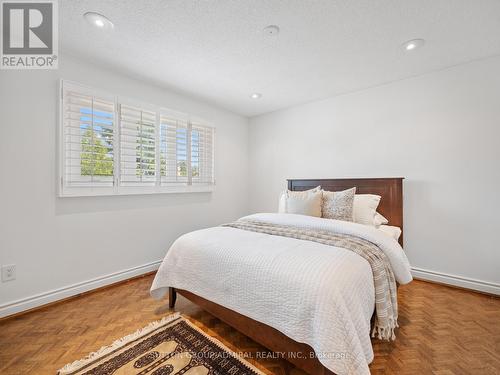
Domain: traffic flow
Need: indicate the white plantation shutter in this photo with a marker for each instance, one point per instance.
(174, 150)
(202, 156)
(186, 151)
(88, 138)
(137, 146)
(107, 146)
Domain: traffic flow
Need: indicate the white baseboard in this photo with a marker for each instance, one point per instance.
(41, 299)
(463, 282)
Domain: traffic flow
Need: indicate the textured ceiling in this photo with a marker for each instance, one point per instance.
(216, 50)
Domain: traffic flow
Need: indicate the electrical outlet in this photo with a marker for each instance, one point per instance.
(8, 272)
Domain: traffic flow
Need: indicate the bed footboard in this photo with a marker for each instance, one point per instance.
(300, 354)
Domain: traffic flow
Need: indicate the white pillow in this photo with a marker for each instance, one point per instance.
(365, 208)
(284, 196)
(394, 232)
(301, 202)
(379, 220)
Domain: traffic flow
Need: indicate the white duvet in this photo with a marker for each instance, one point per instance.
(313, 293)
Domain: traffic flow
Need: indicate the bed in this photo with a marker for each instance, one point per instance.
(310, 302)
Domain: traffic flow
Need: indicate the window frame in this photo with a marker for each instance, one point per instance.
(118, 189)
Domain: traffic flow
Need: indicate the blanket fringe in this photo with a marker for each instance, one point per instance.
(74, 366)
(385, 333)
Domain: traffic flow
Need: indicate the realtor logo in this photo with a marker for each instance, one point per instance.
(29, 35)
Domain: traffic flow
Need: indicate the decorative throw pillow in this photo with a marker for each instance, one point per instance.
(306, 202)
(338, 205)
(365, 208)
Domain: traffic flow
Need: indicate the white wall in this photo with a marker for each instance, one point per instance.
(58, 242)
(441, 131)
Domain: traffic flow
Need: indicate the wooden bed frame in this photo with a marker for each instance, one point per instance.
(391, 206)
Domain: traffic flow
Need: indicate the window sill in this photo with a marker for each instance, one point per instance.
(69, 192)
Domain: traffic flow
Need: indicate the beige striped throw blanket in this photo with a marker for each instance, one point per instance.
(386, 304)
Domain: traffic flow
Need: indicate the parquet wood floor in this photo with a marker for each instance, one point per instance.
(443, 331)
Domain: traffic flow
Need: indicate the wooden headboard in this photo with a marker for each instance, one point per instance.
(390, 189)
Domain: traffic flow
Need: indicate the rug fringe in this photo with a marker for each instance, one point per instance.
(74, 366)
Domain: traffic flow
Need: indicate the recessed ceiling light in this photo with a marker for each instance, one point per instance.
(256, 95)
(413, 44)
(271, 30)
(98, 20)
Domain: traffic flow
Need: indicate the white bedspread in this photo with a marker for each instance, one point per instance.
(313, 293)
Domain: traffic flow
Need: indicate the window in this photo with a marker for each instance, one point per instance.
(173, 150)
(137, 146)
(186, 151)
(201, 153)
(114, 146)
(88, 139)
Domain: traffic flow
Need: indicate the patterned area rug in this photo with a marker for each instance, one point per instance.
(170, 346)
